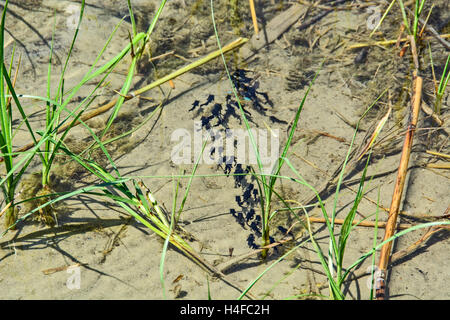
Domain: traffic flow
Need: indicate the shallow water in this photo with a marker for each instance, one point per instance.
(120, 258)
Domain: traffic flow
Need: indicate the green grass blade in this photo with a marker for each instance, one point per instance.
(5, 117)
(404, 15)
(233, 87)
(382, 18)
(58, 141)
(63, 72)
(247, 289)
(209, 289)
(347, 226)
(444, 78)
(334, 287)
(397, 235)
(133, 22)
(327, 266)
(292, 131)
(125, 88)
(155, 19)
(91, 75)
(191, 178)
(166, 242)
(134, 129)
(375, 237)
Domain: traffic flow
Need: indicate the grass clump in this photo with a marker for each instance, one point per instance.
(51, 139)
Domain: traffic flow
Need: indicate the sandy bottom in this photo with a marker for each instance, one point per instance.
(96, 252)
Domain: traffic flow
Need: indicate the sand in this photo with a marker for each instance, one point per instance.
(96, 252)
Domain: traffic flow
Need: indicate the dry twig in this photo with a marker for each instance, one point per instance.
(401, 178)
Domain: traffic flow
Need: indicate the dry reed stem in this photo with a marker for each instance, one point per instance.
(403, 253)
(254, 20)
(438, 165)
(58, 269)
(439, 154)
(400, 182)
(433, 115)
(369, 224)
(388, 42)
(162, 56)
(274, 29)
(5, 208)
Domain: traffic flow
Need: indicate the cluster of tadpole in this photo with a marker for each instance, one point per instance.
(246, 216)
(218, 115)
